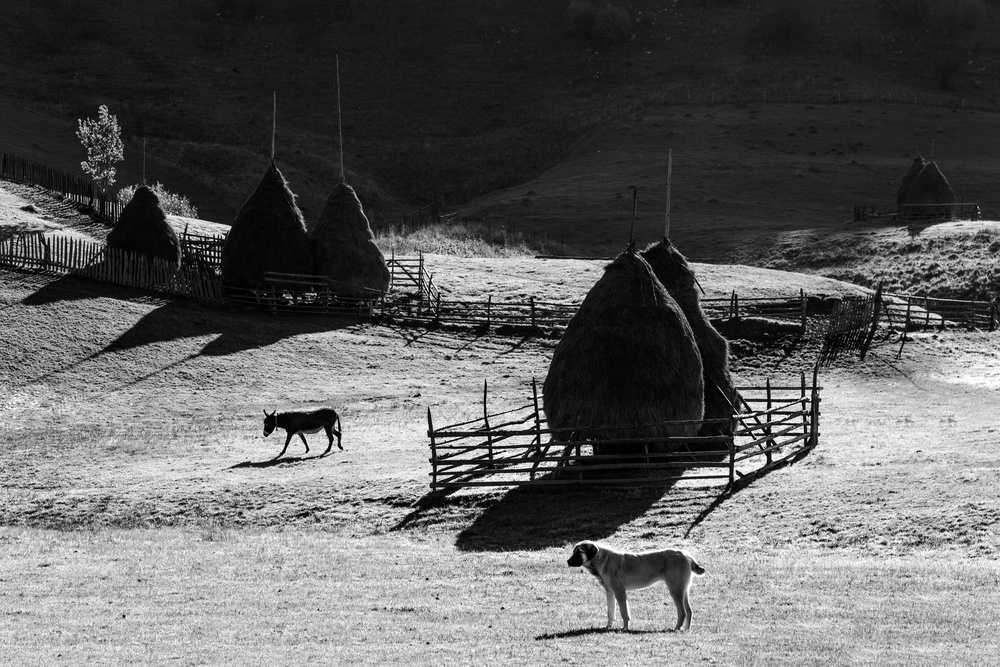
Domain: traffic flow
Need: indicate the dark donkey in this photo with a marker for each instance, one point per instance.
(300, 423)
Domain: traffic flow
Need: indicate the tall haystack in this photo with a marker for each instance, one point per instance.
(269, 234)
(142, 228)
(915, 168)
(927, 191)
(672, 269)
(628, 358)
(344, 249)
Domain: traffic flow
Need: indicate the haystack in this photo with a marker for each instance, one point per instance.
(142, 228)
(628, 358)
(671, 268)
(269, 234)
(911, 173)
(344, 249)
(927, 191)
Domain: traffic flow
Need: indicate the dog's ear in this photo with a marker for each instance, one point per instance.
(589, 549)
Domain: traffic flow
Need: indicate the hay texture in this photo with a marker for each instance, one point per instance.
(672, 270)
(915, 168)
(929, 187)
(142, 228)
(344, 249)
(628, 358)
(269, 234)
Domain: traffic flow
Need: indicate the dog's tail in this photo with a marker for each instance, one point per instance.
(697, 569)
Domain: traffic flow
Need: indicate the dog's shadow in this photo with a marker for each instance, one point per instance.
(580, 632)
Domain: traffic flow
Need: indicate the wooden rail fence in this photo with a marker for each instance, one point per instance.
(515, 447)
(917, 212)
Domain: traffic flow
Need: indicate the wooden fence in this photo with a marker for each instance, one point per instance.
(60, 254)
(908, 312)
(918, 212)
(82, 191)
(516, 447)
(852, 326)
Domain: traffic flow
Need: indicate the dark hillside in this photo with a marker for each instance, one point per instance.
(449, 99)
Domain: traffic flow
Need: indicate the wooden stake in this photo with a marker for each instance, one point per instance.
(144, 160)
(635, 201)
(670, 169)
(340, 128)
(274, 120)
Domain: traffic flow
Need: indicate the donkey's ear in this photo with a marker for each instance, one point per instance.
(265, 414)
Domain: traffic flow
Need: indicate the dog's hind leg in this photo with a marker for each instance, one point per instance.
(680, 598)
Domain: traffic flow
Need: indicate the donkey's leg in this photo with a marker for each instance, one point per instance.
(329, 435)
(285, 448)
(302, 435)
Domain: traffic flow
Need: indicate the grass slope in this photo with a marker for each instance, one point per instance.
(463, 98)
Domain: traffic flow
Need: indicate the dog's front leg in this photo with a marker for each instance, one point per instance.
(611, 608)
(619, 594)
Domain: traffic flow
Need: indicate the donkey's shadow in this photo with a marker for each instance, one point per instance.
(281, 460)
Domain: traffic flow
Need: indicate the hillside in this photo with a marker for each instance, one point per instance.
(456, 100)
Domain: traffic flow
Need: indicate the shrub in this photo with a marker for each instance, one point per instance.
(172, 204)
(612, 25)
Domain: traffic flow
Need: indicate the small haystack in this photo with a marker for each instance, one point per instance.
(671, 268)
(344, 249)
(628, 358)
(269, 234)
(927, 191)
(911, 173)
(142, 228)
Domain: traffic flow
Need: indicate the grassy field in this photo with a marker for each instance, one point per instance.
(218, 596)
(143, 524)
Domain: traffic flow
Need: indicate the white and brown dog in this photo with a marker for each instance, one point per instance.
(619, 571)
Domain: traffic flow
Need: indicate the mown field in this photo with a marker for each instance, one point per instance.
(142, 524)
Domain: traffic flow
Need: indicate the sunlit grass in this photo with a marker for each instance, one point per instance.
(218, 596)
(463, 240)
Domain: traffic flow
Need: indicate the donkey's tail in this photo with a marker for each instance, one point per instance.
(697, 569)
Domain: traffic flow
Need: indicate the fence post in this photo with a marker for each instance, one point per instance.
(802, 406)
(430, 434)
(767, 422)
(993, 315)
(531, 300)
(489, 303)
(486, 421)
(802, 294)
(814, 435)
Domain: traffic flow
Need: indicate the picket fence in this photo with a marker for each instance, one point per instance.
(79, 190)
(515, 447)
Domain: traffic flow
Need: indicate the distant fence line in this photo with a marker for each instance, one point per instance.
(918, 212)
(516, 447)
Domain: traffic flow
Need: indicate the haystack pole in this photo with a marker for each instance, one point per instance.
(343, 244)
(340, 126)
(670, 169)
